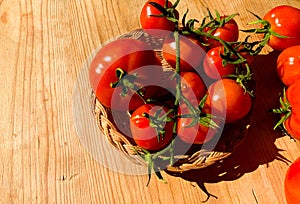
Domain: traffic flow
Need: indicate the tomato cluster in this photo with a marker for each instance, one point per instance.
(207, 87)
(281, 26)
(209, 84)
(288, 70)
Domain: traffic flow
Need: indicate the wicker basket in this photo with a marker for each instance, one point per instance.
(196, 157)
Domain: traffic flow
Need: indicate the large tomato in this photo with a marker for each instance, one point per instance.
(147, 132)
(292, 183)
(288, 65)
(195, 132)
(213, 64)
(127, 55)
(229, 99)
(152, 23)
(192, 52)
(283, 20)
(226, 30)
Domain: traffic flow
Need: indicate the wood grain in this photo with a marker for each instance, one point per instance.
(44, 45)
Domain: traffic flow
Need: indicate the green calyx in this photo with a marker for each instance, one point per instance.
(264, 29)
(158, 122)
(166, 11)
(285, 110)
(126, 82)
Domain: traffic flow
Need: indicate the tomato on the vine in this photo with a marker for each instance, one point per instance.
(288, 65)
(195, 132)
(150, 127)
(292, 95)
(213, 64)
(291, 183)
(192, 86)
(226, 30)
(192, 52)
(123, 57)
(292, 126)
(229, 99)
(290, 110)
(153, 23)
(285, 21)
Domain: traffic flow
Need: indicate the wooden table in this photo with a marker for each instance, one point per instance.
(44, 46)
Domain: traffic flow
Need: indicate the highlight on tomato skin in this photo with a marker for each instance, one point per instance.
(292, 183)
(229, 100)
(288, 65)
(145, 133)
(228, 32)
(285, 21)
(154, 24)
(126, 55)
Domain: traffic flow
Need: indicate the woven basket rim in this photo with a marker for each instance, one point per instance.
(195, 159)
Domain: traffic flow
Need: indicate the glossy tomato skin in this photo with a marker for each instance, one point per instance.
(156, 26)
(129, 55)
(292, 126)
(192, 52)
(213, 64)
(288, 65)
(229, 99)
(292, 123)
(192, 86)
(228, 32)
(292, 94)
(291, 183)
(193, 133)
(284, 20)
(143, 134)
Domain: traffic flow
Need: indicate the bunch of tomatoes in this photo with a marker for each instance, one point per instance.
(208, 85)
(286, 22)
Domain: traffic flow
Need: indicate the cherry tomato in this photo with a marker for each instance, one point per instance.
(129, 55)
(288, 65)
(154, 25)
(284, 20)
(192, 52)
(144, 133)
(192, 86)
(292, 126)
(291, 183)
(228, 32)
(213, 64)
(292, 95)
(292, 123)
(194, 133)
(229, 99)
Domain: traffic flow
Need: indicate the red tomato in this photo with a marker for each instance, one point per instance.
(292, 123)
(146, 135)
(284, 20)
(192, 86)
(156, 26)
(192, 52)
(288, 65)
(129, 55)
(229, 99)
(292, 183)
(292, 95)
(197, 133)
(228, 32)
(292, 126)
(213, 64)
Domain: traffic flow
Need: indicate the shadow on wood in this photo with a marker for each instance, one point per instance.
(258, 147)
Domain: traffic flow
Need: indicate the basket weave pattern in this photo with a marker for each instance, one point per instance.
(196, 157)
